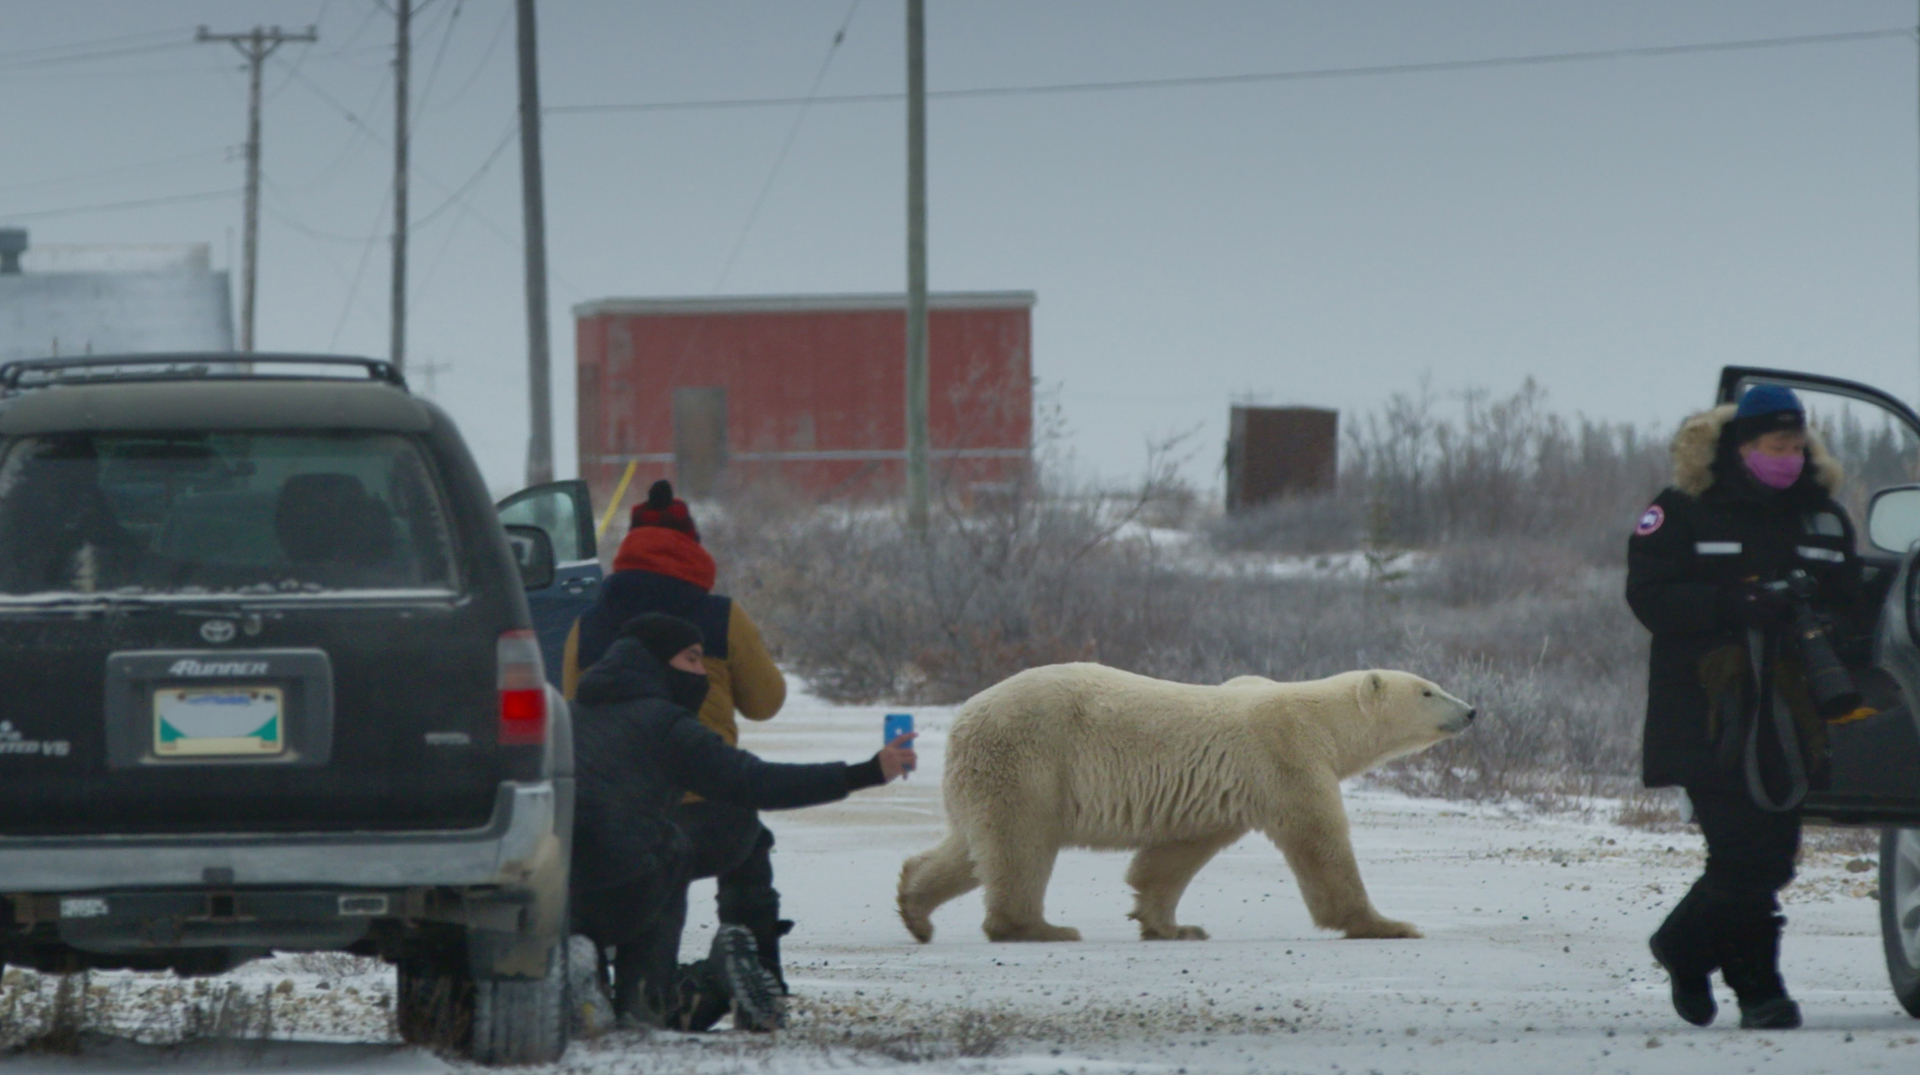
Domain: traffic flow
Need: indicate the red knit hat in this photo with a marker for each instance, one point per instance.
(662, 508)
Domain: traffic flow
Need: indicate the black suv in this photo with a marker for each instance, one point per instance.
(271, 682)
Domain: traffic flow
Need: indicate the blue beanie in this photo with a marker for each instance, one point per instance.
(1766, 408)
(1768, 399)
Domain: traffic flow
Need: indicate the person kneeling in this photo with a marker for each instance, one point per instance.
(639, 748)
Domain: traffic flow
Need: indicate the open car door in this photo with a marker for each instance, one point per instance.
(1876, 762)
(564, 510)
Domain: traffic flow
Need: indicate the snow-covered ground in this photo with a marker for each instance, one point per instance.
(1534, 961)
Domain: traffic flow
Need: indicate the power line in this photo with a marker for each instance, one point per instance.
(433, 72)
(459, 193)
(89, 57)
(138, 166)
(499, 34)
(304, 53)
(120, 39)
(359, 272)
(465, 204)
(1311, 74)
(780, 158)
(142, 203)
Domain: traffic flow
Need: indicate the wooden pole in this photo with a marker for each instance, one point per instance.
(533, 208)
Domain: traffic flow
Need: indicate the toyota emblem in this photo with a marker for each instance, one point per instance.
(217, 631)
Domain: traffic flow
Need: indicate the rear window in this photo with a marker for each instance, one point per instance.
(250, 513)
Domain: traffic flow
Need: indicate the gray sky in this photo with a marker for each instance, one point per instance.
(1616, 229)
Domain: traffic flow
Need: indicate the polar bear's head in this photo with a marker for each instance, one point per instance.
(1406, 714)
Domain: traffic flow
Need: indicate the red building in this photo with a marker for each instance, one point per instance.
(808, 391)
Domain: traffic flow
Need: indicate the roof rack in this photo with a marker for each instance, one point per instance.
(231, 366)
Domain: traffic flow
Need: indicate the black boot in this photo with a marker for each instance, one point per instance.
(757, 1002)
(1684, 945)
(767, 939)
(703, 997)
(1750, 962)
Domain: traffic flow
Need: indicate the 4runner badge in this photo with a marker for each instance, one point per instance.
(217, 631)
(187, 666)
(13, 742)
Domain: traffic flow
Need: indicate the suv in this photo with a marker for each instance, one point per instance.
(1875, 763)
(273, 683)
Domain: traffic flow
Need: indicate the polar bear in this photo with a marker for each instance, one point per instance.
(1082, 755)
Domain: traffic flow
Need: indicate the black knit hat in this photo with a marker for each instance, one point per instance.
(663, 636)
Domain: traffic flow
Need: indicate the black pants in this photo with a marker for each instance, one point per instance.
(1729, 920)
(1750, 851)
(732, 846)
(642, 921)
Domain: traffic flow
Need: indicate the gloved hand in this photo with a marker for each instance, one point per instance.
(1754, 607)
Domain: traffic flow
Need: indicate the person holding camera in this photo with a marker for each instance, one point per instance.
(1746, 541)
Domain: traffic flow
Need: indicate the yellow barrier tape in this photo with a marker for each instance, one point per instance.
(613, 506)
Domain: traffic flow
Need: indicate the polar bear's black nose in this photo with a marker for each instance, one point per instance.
(1472, 713)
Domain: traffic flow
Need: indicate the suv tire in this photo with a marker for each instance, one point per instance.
(494, 1021)
(1900, 913)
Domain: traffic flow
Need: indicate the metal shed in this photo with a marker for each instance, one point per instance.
(1280, 451)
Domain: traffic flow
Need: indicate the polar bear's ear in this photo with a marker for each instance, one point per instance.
(1372, 687)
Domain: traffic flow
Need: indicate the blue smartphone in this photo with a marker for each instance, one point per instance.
(897, 725)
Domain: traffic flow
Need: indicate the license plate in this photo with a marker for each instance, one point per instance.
(219, 721)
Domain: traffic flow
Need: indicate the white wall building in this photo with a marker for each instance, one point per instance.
(103, 300)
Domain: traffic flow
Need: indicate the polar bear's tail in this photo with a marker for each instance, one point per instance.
(930, 879)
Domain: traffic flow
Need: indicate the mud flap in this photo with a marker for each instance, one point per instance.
(523, 954)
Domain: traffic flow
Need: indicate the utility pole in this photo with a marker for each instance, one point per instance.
(256, 45)
(918, 451)
(534, 213)
(402, 52)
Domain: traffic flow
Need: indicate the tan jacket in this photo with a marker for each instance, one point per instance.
(745, 681)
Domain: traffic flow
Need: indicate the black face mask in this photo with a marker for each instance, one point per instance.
(687, 690)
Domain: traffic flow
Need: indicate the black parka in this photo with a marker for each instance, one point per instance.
(637, 754)
(1714, 528)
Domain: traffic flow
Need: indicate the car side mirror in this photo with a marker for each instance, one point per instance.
(533, 552)
(1893, 520)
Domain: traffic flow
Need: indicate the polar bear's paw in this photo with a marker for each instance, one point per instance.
(1177, 933)
(1382, 929)
(1035, 931)
(918, 923)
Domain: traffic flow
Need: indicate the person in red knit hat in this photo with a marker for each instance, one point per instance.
(661, 567)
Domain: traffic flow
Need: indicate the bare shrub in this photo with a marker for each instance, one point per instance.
(332, 964)
(1501, 466)
(1501, 568)
(1653, 809)
(1300, 525)
(1840, 840)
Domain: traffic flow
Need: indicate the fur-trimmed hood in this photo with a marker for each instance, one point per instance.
(1697, 445)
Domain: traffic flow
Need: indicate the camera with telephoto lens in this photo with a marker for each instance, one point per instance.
(1829, 683)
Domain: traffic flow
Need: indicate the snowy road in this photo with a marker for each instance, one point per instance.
(1534, 959)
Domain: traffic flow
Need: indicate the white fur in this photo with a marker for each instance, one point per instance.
(1081, 755)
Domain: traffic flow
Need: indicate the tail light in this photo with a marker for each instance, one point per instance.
(523, 690)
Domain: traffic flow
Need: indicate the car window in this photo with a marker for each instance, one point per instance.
(247, 513)
(551, 510)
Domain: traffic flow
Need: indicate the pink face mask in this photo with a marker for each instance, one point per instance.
(1776, 471)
